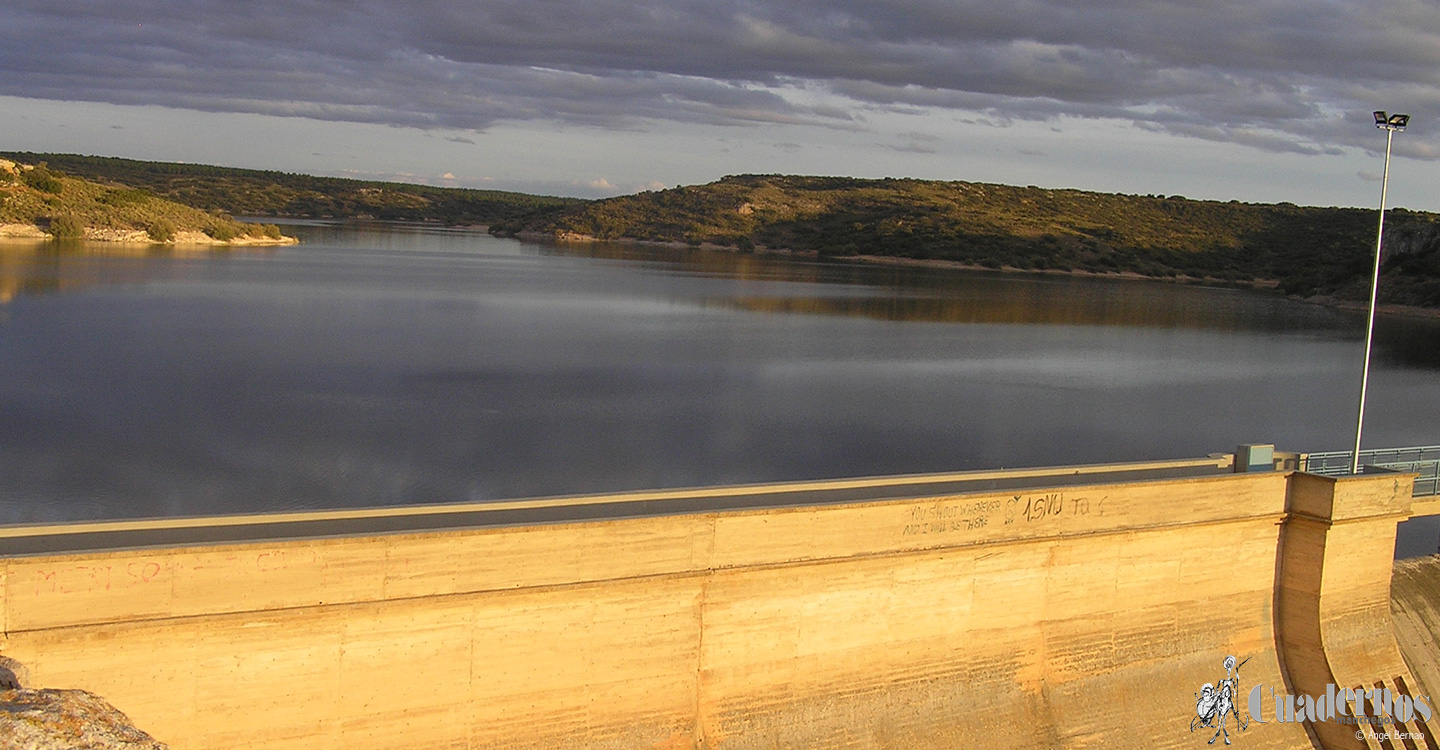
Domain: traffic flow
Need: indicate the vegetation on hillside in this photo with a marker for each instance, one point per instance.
(68, 207)
(248, 192)
(1307, 251)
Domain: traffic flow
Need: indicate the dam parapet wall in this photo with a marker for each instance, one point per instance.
(1075, 608)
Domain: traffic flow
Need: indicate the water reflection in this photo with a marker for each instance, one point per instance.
(29, 267)
(919, 294)
(32, 267)
(913, 293)
(1037, 302)
(779, 285)
(767, 283)
(374, 367)
(1408, 342)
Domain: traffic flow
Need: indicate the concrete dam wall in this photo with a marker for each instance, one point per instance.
(1083, 607)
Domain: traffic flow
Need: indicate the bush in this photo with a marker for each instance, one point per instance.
(124, 197)
(161, 230)
(269, 231)
(223, 232)
(66, 227)
(43, 179)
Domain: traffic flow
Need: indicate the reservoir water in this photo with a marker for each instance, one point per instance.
(384, 366)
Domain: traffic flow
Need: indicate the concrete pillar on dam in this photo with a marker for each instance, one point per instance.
(1076, 607)
(1333, 593)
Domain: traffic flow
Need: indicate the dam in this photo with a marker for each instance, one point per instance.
(1075, 607)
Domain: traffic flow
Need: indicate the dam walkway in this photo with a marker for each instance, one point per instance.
(1423, 460)
(51, 539)
(70, 538)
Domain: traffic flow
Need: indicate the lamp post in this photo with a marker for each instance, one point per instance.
(1390, 124)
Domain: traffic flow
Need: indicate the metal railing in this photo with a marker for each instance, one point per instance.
(1423, 460)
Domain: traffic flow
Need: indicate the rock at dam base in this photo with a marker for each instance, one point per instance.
(66, 720)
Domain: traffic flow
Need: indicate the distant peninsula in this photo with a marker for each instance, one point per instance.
(1315, 253)
(37, 202)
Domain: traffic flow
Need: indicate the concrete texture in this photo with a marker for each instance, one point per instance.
(1088, 615)
(1415, 606)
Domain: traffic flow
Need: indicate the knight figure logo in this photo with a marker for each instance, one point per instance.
(1216, 703)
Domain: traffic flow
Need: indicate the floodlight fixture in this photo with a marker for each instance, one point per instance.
(1390, 124)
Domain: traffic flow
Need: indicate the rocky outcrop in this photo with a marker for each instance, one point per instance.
(1409, 234)
(64, 720)
(25, 231)
(12, 674)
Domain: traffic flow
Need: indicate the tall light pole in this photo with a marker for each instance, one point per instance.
(1390, 124)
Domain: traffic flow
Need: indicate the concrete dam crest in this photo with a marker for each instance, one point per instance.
(1074, 607)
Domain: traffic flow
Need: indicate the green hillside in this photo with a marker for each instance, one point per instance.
(1307, 251)
(248, 192)
(39, 199)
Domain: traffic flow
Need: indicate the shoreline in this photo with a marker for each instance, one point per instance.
(1408, 311)
(187, 238)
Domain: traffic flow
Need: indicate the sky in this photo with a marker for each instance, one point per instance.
(1252, 100)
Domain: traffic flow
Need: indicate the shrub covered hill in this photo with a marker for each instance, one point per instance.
(36, 201)
(249, 192)
(1306, 251)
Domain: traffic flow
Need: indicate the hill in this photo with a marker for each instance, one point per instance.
(1305, 251)
(248, 192)
(37, 201)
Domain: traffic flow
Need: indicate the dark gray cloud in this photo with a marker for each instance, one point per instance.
(1281, 75)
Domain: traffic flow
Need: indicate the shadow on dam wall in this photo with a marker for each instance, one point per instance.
(1075, 607)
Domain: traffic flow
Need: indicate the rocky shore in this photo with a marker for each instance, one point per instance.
(141, 237)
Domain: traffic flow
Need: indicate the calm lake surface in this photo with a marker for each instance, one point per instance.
(388, 366)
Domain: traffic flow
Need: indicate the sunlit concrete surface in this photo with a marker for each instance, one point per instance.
(1073, 607)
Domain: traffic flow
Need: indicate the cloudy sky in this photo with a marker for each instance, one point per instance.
(1263, 100)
